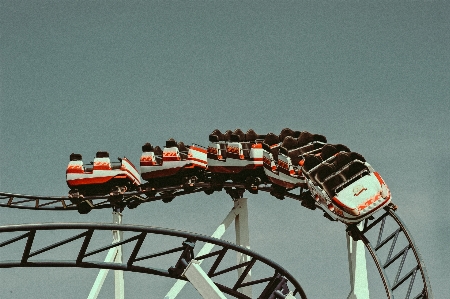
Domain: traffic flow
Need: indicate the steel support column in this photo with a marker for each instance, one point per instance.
(200, 280)
(218, 233)
(243, 239)
(357, 268)
(118, 274)
(114, 255)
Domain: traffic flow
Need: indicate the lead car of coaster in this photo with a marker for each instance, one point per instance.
(345, 185)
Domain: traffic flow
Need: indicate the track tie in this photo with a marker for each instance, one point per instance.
(393, 235)
(404, 278)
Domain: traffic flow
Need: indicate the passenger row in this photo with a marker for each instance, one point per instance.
(334, 167)
(171, 143)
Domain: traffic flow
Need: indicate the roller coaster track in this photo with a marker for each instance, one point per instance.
(393, 249)
(278, 283)
(57, 203)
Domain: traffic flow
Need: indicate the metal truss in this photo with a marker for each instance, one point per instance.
(388, 241)
(278, 283)
(128, 199)
(61, 203)
(386, 238)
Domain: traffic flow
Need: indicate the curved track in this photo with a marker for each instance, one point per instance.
(278, 280)
(394, 279)
(388, 241)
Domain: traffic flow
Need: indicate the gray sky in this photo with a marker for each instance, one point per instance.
(83, 76)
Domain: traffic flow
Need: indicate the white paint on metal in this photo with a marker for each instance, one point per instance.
(95, 290)
(218, 233)
(118, 274)
(357, 267)
(243, 239)
(201, 281)
(290, 296)
(114, 255)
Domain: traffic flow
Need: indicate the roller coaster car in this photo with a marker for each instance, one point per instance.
(345, 185)
(101, 176)
(175, 164)
(236, 156)
(281, 157)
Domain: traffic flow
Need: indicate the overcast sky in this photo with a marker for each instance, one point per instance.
(83, 76)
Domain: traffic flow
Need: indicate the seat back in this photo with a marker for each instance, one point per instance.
(331, 184)
(251, 136)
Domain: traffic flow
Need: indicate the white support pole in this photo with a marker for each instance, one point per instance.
(357, 267)
(118, 274)
(97, 286)
(200, 280)
(289, 296)
(243, 239)
(114, 255)
(178, 286)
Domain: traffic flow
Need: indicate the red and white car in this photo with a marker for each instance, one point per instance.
(236, 156)
(281, 159)
(176, 163)
(346, 186)
(101, 176)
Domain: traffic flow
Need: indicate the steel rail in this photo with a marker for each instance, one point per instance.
(421, 266)
(392, 283)
(61, 203)
(54, 203)
(30, 234)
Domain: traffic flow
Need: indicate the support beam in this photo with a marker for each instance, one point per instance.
(97, 286)
(357, 268)
(118, 274)
(289, 296)
(243, 239)
(114, 255)
(218, 233)
(200, 280)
